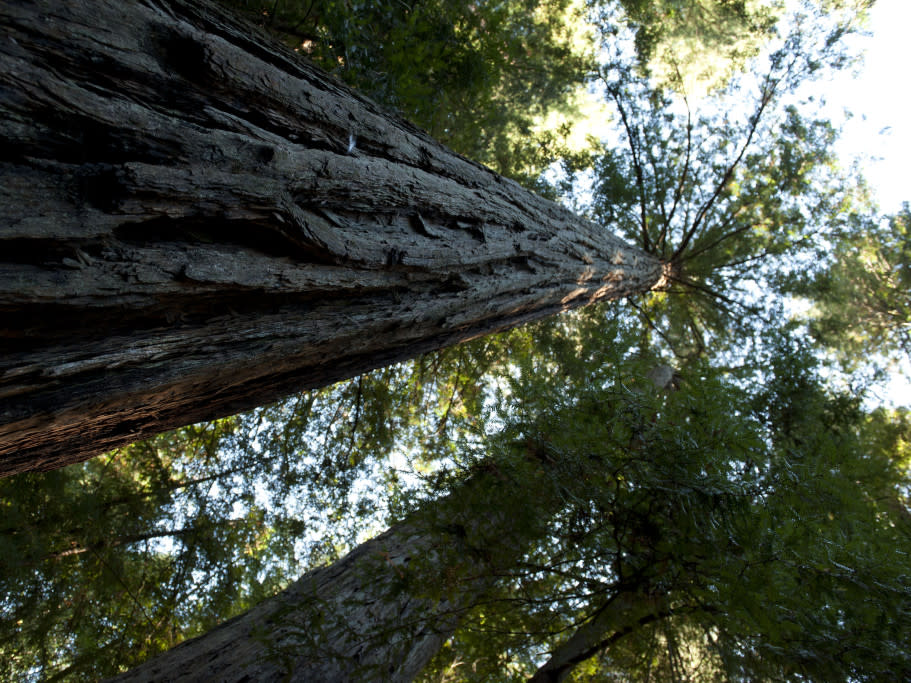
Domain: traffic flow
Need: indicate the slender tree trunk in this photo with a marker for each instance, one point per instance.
(195, 221)
(383, 611)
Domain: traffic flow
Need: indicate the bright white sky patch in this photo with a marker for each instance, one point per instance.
(879, 134)
(879, 98)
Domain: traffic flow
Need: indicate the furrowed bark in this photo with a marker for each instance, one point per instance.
(195, 221)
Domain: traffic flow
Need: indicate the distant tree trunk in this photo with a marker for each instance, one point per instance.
(360, 619)
(382, 612)
(195, 221)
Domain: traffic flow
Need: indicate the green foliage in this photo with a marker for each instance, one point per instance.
(731, 199)
(860, 294)
(107, 563)
(755, 533)
(697, 44)
(478, 76)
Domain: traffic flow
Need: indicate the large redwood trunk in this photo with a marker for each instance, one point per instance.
(195, 221)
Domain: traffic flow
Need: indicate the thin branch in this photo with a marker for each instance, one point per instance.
(767, 95)
(732, 233)
(637, 165)
(656, 172)
(586, 642)
(357, 413)
(441, 425)
(697, 332)
(126, 588)
(129, 539)
(646, 318)
(678, 193)
(712, 293)
(591, 646)
(749, 259)
(532, 568)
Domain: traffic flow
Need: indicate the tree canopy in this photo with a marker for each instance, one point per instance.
(859, 289)
(711, 498)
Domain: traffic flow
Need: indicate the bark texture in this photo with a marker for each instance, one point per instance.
(195, 221)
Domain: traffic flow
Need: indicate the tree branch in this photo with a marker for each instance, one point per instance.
(678, 193)
(613, 617)
(767, 94)
(633, 140)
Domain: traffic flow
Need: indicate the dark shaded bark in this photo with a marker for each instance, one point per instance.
(194, 221)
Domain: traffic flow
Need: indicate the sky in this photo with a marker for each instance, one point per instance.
(879, 133)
